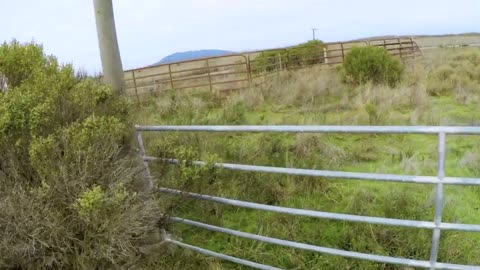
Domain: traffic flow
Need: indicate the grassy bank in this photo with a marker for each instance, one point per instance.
(442, 88)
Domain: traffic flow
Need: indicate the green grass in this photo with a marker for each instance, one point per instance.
(317, 97)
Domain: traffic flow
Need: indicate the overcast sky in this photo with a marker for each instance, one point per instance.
(148, 30)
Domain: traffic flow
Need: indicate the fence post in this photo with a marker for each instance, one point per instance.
(279, 66)
(135, 85)
(438, 200)
(209, 77)
(412, 47)
(400, 47)
(287, 55)
(325, 55)
(170, 74)
(343, 52)
(249, 70)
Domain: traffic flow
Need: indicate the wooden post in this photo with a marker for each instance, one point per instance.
(209, 77)
(343, 52)
(287, 56)
(400, 47)
(325, 55)
(280, 61)
(249, 70)
(170, 74)
(413, 49)
(279, 66)
(135, 85)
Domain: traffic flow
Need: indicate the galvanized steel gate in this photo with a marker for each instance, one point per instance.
(439, 181)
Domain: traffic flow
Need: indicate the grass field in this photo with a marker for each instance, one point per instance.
(442, 88)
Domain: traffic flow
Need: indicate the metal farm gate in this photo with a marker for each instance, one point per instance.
(439, 181)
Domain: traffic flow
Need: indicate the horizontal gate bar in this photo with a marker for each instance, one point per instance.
(223, 256)
(327, 215)
(330, 251)
(322, 129)
(333, 174)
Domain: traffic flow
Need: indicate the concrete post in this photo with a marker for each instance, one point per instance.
(112, 65)
(108, 44)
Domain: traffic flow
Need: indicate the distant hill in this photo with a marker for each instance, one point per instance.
(184, 56)
(475, 34)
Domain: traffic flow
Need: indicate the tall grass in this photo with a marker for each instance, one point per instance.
(317, 96)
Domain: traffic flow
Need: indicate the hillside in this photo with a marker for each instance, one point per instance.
(420, 36)
(432, 41)
(190, 55)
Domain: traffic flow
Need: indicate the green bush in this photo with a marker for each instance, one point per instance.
(19, 61)
(69, 186)
(305, 54)
(234, 112)
(371, 64)
(269, 61)
(460, 72)
(441, 81)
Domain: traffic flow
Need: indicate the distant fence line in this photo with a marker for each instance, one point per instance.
(448, 41)
(222, 74)
(452, 46)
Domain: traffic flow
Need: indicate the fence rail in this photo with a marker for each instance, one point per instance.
(437, 225)
(237, 71)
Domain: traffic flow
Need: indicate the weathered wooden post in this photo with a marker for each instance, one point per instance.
(325, 55)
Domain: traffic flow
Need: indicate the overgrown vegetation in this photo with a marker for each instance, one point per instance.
(72, 196)
(320, 96)
(305, 54)
(371, 64)
(70, 192)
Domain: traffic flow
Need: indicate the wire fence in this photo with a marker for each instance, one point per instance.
(439, 181)
(223, 74)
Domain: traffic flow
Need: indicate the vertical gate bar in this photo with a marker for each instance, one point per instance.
(135, 85)
(438, 201)
(170, 74)
(148, 176)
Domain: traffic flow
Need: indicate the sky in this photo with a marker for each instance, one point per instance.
(149, 30)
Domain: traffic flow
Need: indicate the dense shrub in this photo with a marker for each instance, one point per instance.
(441, 81)
(269, 61)
(371, 64)
(305, 54)
(69, 187)
(459, 76)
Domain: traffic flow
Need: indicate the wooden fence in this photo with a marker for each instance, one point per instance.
(223, 74)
